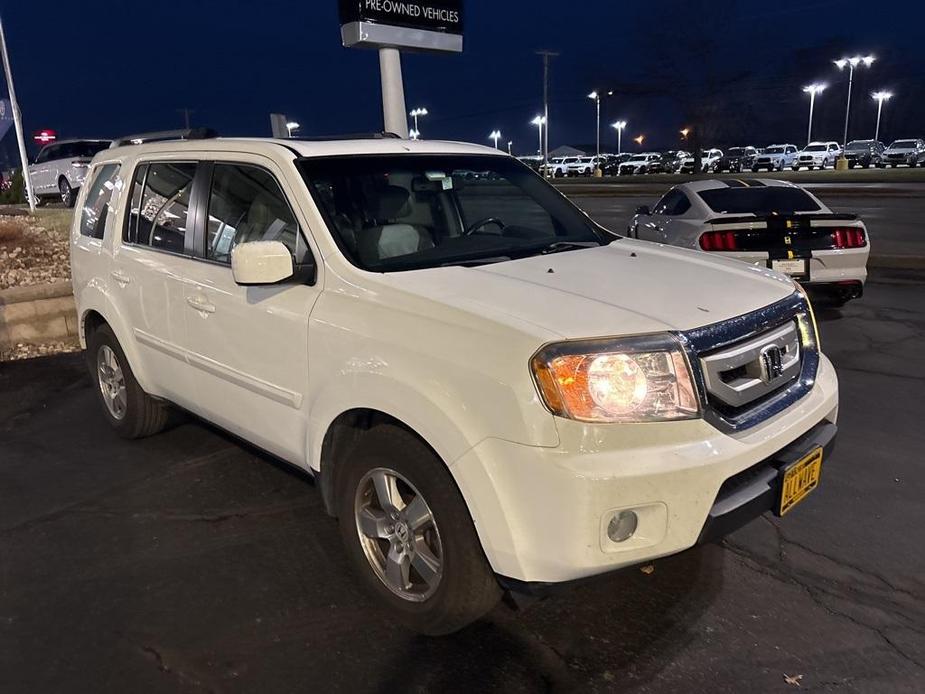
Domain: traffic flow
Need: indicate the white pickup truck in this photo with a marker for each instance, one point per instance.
(492, 391)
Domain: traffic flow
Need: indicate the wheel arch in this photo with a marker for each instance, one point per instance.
(94, 310)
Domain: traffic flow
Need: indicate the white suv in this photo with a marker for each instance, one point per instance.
(59, 169)
(817, 155)
(492, 391)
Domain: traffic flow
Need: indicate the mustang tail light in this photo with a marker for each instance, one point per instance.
(719, 241)
(848, 237)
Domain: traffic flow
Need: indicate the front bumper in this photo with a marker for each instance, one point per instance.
(542, 513)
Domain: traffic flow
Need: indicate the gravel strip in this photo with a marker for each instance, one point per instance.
(34, 249)
(24, 351)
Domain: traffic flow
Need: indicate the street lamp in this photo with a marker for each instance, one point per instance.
(851, 63)
(812, 90)
(510, 145)
(619, 126)
(684, 133)
(596, 97)
(291, 127)
(639, 139)
(418, 113)
(495, 135)
(414, 134)
(539, 122)
(880, 97)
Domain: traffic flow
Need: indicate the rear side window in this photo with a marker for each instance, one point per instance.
(96, 208)
(674, 203)
(247, 204)
(758, 200)
(160, 205)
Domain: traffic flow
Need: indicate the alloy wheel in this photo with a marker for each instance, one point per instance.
(112, 382)
(398, 534)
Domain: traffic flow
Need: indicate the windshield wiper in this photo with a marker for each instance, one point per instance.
(559, 246)
(474, 262)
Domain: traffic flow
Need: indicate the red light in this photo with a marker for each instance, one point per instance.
(848, 237)
(719, 241)
(43, 137)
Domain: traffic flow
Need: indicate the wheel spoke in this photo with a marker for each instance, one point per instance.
(387, 491)
(425, 563)
(397, 569)
(373, 523)
(417, 514)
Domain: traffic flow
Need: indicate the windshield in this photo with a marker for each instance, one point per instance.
(814, 148)
(390, 213)
(774, 150)
(859, 144)
(735, 152)
(758, 200)
(638, 158)
(903, 144)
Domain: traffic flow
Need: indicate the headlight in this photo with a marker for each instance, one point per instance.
(645, 379)
(805, 327)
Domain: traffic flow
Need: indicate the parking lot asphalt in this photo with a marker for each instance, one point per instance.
(192, 562)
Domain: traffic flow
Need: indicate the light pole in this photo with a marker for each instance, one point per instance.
(880, 97)
(17, 121)
(539, 122)
(495, 135)
(812, 90)
(415, 114)
(291, 127)
(851, 63)
(544, 147)
(414, 134)
(619, 126)
(510, 145)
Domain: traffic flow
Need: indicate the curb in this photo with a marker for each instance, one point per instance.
(36, 314)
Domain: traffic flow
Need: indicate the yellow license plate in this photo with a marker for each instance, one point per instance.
(801, 478)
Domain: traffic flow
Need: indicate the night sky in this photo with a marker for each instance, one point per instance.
(102, 69)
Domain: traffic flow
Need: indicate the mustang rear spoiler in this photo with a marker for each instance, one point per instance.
(828, 216)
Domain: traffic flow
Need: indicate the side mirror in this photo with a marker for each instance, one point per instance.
(643, 209)
(261, 262)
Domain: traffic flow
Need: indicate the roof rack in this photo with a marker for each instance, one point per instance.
(349, 136)
(165, 136)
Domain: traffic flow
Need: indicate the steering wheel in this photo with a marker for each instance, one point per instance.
(482, 223)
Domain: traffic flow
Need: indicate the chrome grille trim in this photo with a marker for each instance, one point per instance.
(703, 342)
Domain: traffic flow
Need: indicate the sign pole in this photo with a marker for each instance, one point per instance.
(393, 92)
(17, 120)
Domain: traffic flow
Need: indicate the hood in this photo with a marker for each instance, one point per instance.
(628, 287)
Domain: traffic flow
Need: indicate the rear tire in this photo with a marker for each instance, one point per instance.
(130, 410)
(436, 601)
(68, 196)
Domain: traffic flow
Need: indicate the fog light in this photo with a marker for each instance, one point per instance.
(622, 526)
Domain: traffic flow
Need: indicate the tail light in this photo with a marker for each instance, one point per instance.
(848, 237)
(719, 241)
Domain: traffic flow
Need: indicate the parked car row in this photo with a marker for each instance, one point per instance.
(775, 157)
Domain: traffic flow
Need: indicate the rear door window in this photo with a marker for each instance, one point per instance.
(97, 205)
(158, 215)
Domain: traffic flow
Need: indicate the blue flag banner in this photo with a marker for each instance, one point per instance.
(6, 117)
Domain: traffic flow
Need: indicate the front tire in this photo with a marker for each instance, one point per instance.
(408, 533)
(68, 196)
(129, 409)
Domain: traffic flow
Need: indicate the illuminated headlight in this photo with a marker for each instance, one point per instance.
(645, 379)
(809, 329)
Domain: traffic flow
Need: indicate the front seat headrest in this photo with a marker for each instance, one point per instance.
(391, 202)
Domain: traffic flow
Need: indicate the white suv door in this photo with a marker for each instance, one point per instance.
(249, 345)
(146, 274)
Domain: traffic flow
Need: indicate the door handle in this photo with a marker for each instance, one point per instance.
(200, 304)
(120, 277)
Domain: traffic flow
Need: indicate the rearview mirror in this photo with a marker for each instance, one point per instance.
(643, 209)
(261, 262)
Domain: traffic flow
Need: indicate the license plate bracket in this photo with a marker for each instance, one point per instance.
(799, 479)
(795, 268)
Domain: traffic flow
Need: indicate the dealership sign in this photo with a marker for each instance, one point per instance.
(421, 25)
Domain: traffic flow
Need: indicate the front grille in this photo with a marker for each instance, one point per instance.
(752, 367)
